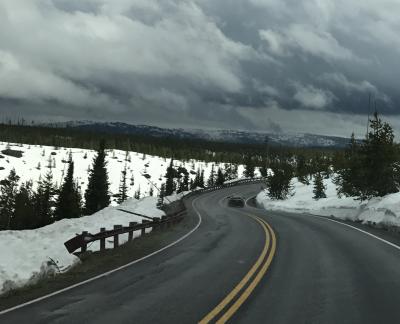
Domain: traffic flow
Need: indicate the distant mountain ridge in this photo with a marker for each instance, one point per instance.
(230, 136)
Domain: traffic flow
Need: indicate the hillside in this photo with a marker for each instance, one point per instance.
(228, 136)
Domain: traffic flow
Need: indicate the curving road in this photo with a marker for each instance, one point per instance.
(235, 267)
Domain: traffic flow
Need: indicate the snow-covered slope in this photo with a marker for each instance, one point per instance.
(382, 210)
(30, 254)
(34, 254)
(36, 160)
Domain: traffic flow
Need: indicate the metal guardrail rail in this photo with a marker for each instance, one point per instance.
(81, 241)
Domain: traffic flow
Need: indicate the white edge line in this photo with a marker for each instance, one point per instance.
(108, 272)
(344, 224)
(360, 230)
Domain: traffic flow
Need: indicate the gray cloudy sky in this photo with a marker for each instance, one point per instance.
(271, 65)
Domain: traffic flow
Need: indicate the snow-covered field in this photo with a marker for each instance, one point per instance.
(384, 211)
(29, 255)
(37, 159)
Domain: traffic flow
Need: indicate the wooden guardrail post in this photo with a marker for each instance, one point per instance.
(130, 233)
(143, 231)
(102, 240)
(116, 236)
(156, 224)
(84, 245)
(164, 221)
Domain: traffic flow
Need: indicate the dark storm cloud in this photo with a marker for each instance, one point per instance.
(274, 65)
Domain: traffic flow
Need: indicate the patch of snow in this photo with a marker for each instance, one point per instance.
(380, 210)
(34, 254)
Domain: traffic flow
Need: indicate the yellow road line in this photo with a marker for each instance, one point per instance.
(243, 282)
(239, 302)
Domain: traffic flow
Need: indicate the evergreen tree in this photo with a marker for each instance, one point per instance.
(319, 187)
(8, 190)
(24, 216)
(249, 167)
(169, 184)
(349, 174)
(302, 170)
(264, 170)
(69, 202)
(43, 200)
(372, 168)
(380, 157)
(137, 194)
(161, 195)
(97, 196)
(123, 187)
(211, 179)
(279, 182)
(151, 191)
(220, 178)
(184, 184)
(201, 179)
(191, 185)
(196, 182)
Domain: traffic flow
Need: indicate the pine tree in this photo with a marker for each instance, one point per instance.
(302, 170)
(349, 176)
(372, 168)
(319, 187)
(151, 191)
(123, 187)
(97, 196)
(44, 201)
(161, 196)
(191, 185)
(69, 202)
(220, 178)
(264, 170)
(24, 216)
(201, 179)
(169, 184)
(184, 184)
(211, 179)
(196, 181)
(279, 182)
(8, 190)
(380, 157)
(249, 167)
(137, 194)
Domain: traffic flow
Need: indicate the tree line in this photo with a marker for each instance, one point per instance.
(21, 207)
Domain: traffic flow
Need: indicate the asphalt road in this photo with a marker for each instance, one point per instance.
(321, 272)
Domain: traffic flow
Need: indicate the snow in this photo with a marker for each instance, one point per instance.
(29, 255)
(384, 211)
(27, 166)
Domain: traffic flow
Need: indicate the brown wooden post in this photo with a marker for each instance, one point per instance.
(164, 220)
(143, 231)
(84, 245)
(116, 236)
(130, 236)
(102, 240)
(155, 224)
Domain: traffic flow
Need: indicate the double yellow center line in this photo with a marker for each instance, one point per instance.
(245, 287)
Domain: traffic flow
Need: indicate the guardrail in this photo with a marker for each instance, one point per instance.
(226, 185)
(81, 241)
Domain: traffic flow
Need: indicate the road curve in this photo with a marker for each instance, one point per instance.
(179, 285)
(322, 272)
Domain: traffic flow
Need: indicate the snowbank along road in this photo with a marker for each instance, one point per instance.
(243, 266)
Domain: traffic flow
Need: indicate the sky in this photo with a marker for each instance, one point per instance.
(267, 65)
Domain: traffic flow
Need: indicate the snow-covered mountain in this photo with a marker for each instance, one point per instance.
(231, 136)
